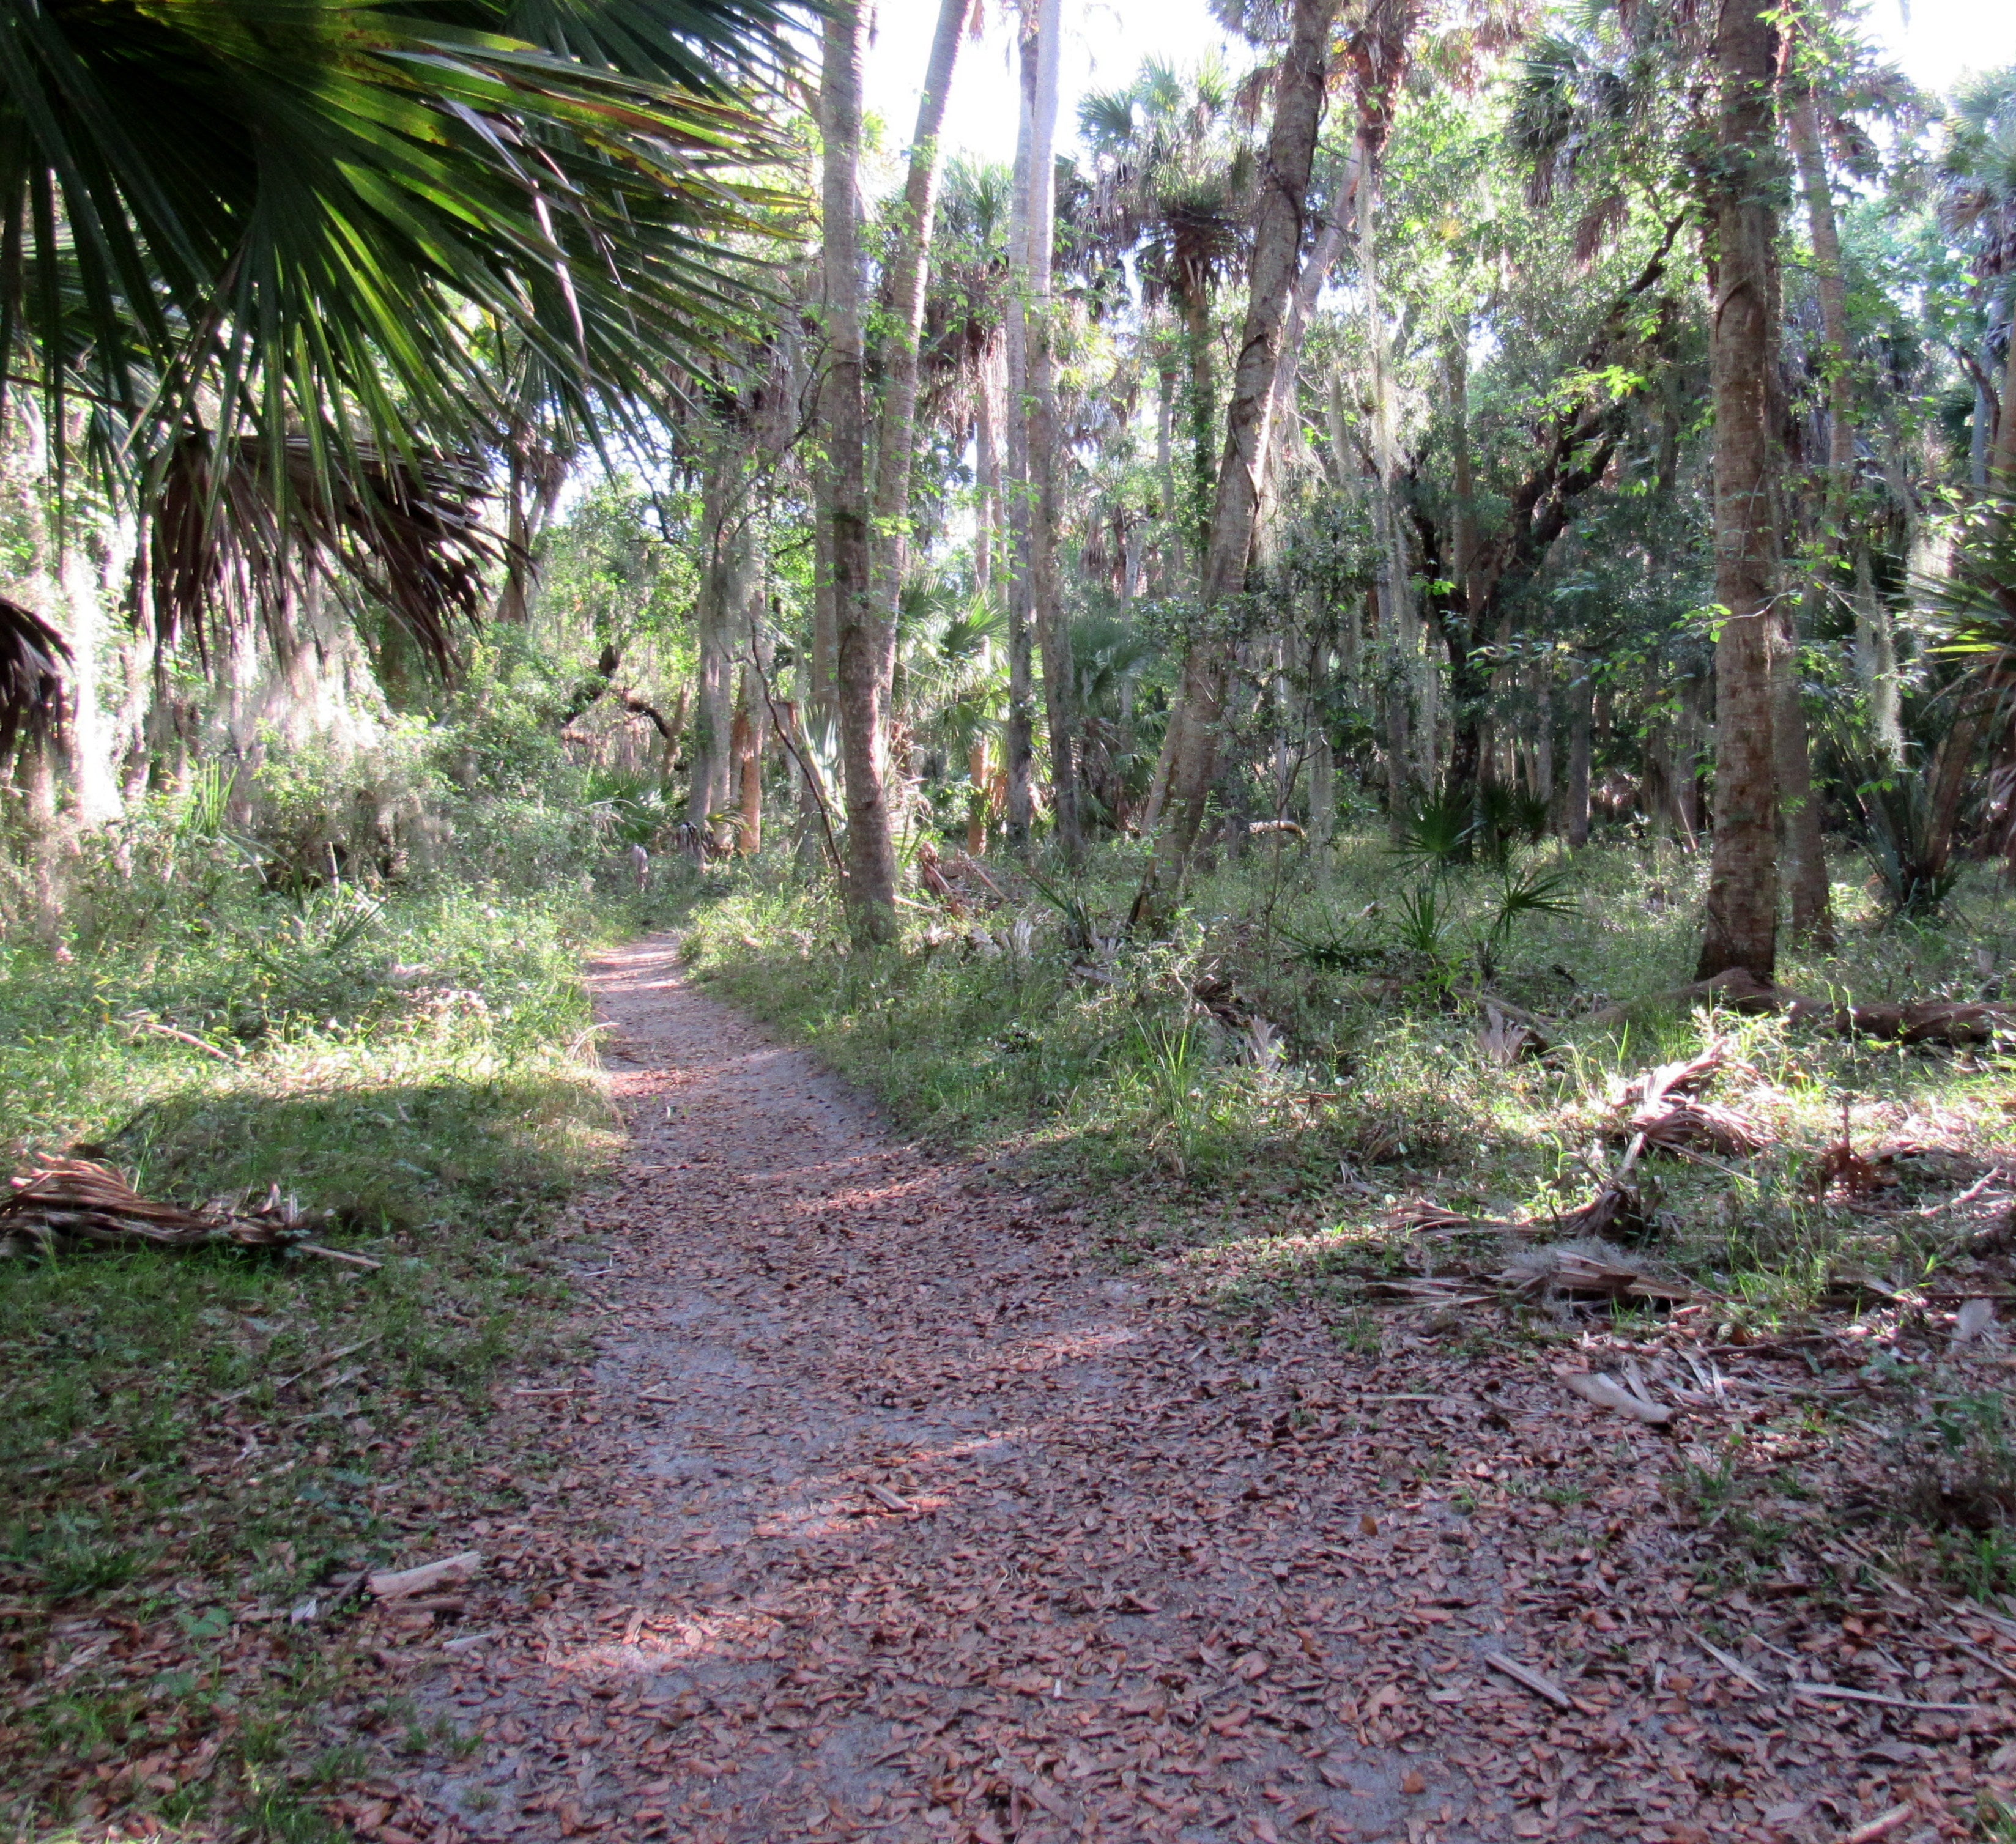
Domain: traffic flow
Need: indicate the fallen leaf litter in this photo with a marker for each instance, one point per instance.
(882, 1511)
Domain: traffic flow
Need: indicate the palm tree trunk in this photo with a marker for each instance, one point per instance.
(1291, 142)
(1342, 184)
(869, 891)
(2002, 457)
(1805, 843)
(1741, 924)
(1813, 916)
(1411, 684)
(910, 265)
(717, 612)
(1581, 725)
(1020, 740)
(1041, 407)
(987, 414)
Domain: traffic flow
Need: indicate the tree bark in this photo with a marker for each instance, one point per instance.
(869, 890)
(1805, 845)
(717, 615)
(1581, 725)
(1021, 739)
(2002, 457)
(1052, 636)
(987, 414)
(1298, 108)
(909, 269)
(1741, 924)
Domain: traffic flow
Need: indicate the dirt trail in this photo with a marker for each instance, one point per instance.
(882, 1510)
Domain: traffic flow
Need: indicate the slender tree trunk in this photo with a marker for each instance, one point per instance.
(1169, 538)
(1470, 685)
(1021, 741)
(1203, 405)
(752, 729)
(870, 886)
(817, 720)
(1041, 407)
(1805, 843)
(822, 678)
(1741, 924)
(2002, 457)
(1813, 916)
(716, 616)
(1412, 717)
(1298, 107)
(909, 267)
(988, 410)
(1582, 725)
(1323, 760)
(1337, 225)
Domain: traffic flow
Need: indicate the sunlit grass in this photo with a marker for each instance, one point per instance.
(425, 1080)
(1382, 1090)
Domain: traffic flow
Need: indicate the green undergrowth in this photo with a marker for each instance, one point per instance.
(194, 1444)
(1247, 1100)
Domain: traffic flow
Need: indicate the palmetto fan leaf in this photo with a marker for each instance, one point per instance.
(32, 657)
(299, 210)
(224, 543)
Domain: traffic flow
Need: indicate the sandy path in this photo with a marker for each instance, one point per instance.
(881, 1510)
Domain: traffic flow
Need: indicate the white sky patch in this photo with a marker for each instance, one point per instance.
(1937, 41)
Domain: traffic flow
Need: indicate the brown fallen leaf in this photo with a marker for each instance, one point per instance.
(1411, 1783)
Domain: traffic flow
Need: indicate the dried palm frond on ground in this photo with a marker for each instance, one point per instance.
(1662, 1109)
(1588, 1271)
(79, 1201)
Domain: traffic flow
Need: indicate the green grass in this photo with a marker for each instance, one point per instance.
(423, 1075)
(1370, 1062)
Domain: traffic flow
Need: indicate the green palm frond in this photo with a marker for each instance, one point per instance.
(300, 211)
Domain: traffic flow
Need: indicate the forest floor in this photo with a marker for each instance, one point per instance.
(884, 1501)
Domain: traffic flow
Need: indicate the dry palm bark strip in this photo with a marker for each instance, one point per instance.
(880, 1510)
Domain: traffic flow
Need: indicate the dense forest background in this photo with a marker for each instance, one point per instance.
(1379, 679)
(1345, 455)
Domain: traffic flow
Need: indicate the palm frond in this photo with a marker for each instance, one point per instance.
(33, 656)
(296, 211)
(227, 541)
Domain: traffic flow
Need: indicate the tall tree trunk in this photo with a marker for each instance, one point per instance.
(1741, 924)
(1411, 678)
(718, 616)
(2001, 457)
(1812, 915)
(1041, 407)
(1342, 184)
(987, 413)
(1168, 538)
(1203, 407)
(1298, 107)
(1581, 725)
(1804, 842)
(910, 267)
(753, 724)
(1470, 681)
(870, 887)
(1021, 739)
